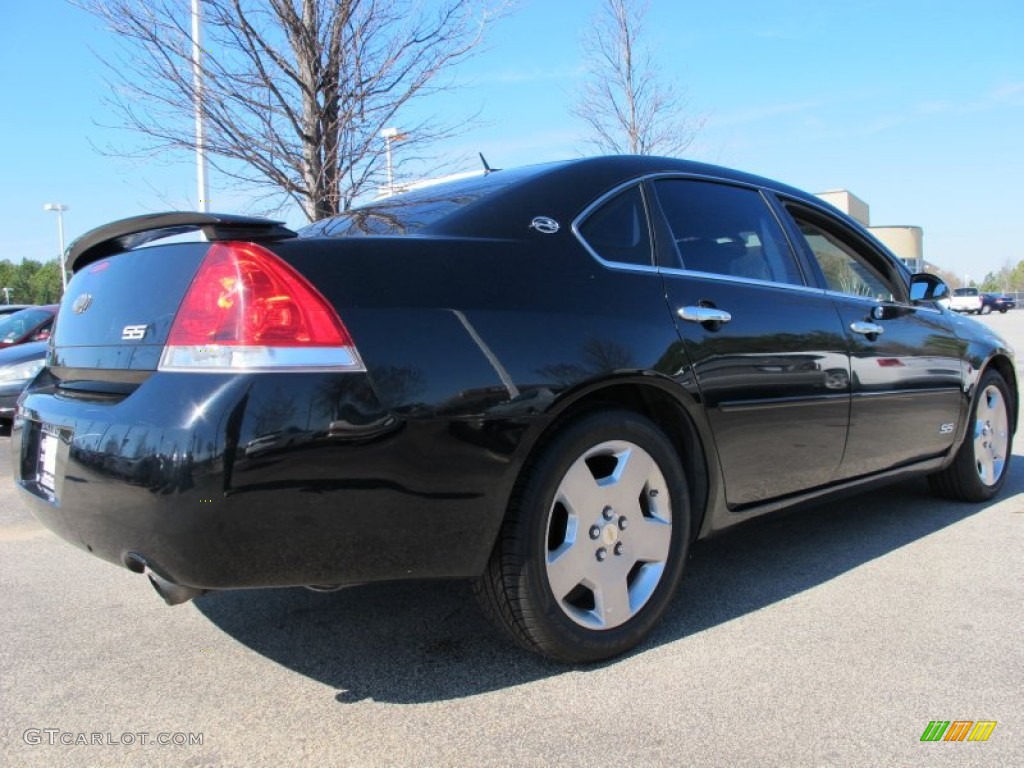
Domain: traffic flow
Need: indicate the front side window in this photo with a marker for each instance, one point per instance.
(618, 231)
(845, 269)
(726, 230)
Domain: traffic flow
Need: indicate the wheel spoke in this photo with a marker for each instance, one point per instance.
(579, 490)
(631, 475)
(650, 540)
(611, 599)
(567, 567)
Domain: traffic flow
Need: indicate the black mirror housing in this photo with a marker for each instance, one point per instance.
(925, 286)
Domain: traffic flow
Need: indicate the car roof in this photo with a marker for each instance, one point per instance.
(559, 190)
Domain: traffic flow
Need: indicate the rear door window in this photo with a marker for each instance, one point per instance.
(726, 230)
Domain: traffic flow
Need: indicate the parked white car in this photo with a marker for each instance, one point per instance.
(964, 300)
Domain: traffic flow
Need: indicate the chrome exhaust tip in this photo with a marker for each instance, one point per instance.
(173, 594)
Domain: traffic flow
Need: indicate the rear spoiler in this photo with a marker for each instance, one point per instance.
(125, 234)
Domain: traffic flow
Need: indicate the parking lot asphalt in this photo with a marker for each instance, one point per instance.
(831, 636)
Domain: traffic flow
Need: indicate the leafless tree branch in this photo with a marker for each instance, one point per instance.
(295, 92)
(624, 104)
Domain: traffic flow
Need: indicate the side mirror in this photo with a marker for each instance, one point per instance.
(925, 286)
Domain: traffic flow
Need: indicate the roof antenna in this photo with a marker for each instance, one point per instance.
(487, 168)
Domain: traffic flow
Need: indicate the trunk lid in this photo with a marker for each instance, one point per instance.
(117, 311)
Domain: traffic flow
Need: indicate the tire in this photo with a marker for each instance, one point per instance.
(1002, 311)
(985, 310)
(583, 571)
(983, 458)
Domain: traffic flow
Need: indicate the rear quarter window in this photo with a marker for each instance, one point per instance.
(618, 229)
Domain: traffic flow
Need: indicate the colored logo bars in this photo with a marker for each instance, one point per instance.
(958, 730)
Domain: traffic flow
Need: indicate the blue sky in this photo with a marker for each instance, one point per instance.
(915, 106)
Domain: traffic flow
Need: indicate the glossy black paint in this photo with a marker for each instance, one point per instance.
(480, 335)
(128, 234)
(209, 497)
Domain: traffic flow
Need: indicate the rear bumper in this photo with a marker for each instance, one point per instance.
(266, 480)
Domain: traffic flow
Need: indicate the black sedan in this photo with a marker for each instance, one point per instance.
(18, 366)
(548, 380)
(996, 302)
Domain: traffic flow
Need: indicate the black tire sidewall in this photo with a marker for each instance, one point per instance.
(565, 638)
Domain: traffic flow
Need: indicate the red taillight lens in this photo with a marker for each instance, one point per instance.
(248, 309)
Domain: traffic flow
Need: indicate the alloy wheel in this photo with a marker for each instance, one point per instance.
(609, 535)
(991, 435)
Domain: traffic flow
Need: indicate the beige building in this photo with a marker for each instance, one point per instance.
(906, 241)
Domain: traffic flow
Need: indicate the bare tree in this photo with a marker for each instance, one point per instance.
(949, 277)
(294, 93)
(628, 109)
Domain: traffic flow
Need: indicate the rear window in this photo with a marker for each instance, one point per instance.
(965, 292)
(411, 212)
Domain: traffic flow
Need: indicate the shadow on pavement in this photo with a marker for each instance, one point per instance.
(422, 642)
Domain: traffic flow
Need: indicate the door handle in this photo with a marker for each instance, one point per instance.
(704, 315)
(866, 329)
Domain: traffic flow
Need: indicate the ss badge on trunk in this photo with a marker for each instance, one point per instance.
(133, 332)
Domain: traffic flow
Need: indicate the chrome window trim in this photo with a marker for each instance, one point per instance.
(878, 302)
(621, 265)
(676, 272)
(860, 298)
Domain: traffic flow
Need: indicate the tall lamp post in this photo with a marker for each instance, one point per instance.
(389, 135)
(59, 208)
(202, 182)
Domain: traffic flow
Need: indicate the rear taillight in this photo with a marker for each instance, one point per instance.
(246, 309)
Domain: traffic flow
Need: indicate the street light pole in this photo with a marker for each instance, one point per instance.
(60, 208)
(389, 134)
(197, 88)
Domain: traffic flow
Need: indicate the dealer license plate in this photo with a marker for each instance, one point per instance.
(46, 473)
